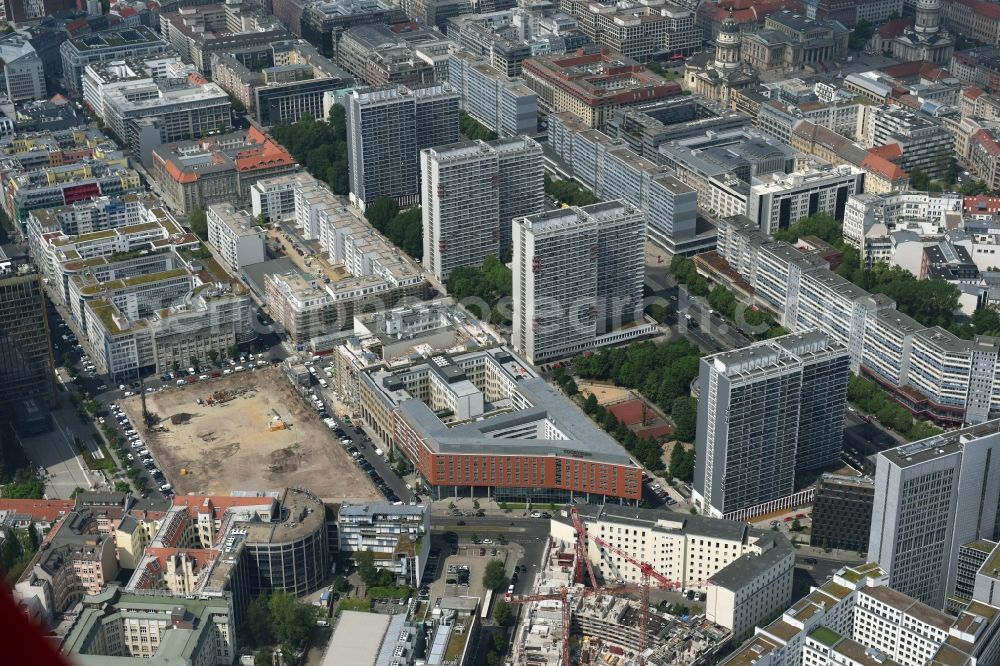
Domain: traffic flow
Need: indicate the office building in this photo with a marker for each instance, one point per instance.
(132, 628)
(100, 78)
(382, 55)
(507, 38)
(593, 84)
(218, 169)
(931, 497)
(856, 619)
(578, 276)
(971, 558)
(922, 144)
(23, 69)
(638, 30)
(766, 412)
(721, 165)
(200, 31)
(280, 81)
(611, 171)
(324, 23)
(398, 536)
(149, 114)
(503, 104)
(444, 413)
(777, 200)
(79, 52)
(751, 568)
(470, 193)
(236, 236)
(387, 129)
(842, 512)
(27, 369)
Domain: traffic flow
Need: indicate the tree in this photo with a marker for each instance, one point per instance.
(570, 387)
(918, 179)
(502, 612)
(290, 619)
(475, 504)
(492, 658)
(257, 621)
(590, 404)
(198, 221)
(682, 463)
(494, 576)
(122, 487)
(213, 357)
(233, 351)
(381, 212)
(821, 225)
(176, 366)
(366, 567)
(796, 525)
(28, 488)
(341, 585)
(684, 413)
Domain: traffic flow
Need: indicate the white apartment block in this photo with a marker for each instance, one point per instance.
(778, 200)
(611, 171)
(751, 569)
(235, 235)
(470, 193)
(398, 536)
(856, 619)
(377, 272)
(946, 378)
(578, 275)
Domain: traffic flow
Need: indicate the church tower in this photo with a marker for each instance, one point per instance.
(727, 44)
(928, 17)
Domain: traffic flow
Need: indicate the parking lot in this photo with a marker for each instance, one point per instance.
(464, 569)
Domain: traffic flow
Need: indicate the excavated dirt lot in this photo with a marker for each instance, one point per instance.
(229, 445)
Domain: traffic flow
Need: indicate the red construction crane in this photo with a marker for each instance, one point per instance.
(647, 572)
(582, 555)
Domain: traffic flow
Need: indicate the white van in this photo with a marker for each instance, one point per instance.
(378, 452)
(238, 368)
(322, 382)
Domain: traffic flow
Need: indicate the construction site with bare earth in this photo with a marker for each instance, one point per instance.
(246, 430)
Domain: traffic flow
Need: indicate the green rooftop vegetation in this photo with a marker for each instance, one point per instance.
(827, 637)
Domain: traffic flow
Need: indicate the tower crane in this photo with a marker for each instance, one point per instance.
(648, 574)
(567, 617)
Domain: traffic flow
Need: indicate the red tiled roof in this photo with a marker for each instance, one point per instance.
(128, 11)
(217, 505)
(894, 28)
(972, 92)
(890, 151)
(883, 167)
(981, 204)
(39, 510)
(986, 140)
